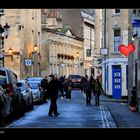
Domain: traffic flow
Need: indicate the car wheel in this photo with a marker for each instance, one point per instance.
(22, 107)
(32, 105)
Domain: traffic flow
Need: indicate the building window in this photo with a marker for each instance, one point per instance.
(117, 39)
(101, 16)
(117, 11)
(88, 53)
(1, 12)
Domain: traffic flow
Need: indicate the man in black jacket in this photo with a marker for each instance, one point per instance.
(53, 90)
(44, 85)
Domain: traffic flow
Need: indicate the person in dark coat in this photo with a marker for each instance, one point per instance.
(68, 85)
(83, 80)
(44, 85)
(88, 88)
(53, 90)
(98, 89)
(61, 80)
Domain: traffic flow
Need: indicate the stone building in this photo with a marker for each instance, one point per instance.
(24, 37)
(134, 57)
(62, 51)
(82, 23)
(114, 64)
(97, 58)
(4, 32)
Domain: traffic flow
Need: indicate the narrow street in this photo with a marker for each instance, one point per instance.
(73, 114)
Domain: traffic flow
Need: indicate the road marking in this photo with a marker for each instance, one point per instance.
(104, 118)
(103, 122)
(107, 123)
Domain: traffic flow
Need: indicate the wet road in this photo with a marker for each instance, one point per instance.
(73, 114)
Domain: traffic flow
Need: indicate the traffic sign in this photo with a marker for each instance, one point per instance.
(136, 22)
(28, 62)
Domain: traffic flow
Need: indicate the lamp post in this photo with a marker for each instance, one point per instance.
(4, 32)
(77, 55)
(77, 64)
(10, 50)
(35, 48)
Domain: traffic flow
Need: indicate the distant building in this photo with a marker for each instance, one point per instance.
(82, 23)
(62, 51)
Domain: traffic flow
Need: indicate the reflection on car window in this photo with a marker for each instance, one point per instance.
(75, 76)
(3, 81)
(2, 73)
(22, 87)
(34, 85)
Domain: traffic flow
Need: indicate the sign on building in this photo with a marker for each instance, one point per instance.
(88, 52)
(104, 51)
(28, 62)
(136, 22)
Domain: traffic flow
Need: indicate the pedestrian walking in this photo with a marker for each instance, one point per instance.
(92, 80)
(44, 86)
(98, 90)
(83, 80)
(61, 80)
(68, 85)
(88, 88)
(53, 90)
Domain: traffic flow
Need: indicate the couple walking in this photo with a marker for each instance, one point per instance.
(92, 86)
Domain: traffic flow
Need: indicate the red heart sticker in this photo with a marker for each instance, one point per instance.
(126, 50)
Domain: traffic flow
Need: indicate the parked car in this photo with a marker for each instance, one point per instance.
(8, 81)
(5, 106)
(38, 79)
(76, 80)
(27, 93)
(36, 91)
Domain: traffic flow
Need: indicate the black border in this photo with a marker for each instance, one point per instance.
(69, 4)
(71, 133)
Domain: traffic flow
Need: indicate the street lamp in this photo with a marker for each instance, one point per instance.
(77, 54)
(10, 50)
(1, 30)
(35, 48)
(4, 32)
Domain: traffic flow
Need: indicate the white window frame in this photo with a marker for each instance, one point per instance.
(114, 13)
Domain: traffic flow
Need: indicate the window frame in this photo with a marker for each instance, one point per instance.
(117, 39)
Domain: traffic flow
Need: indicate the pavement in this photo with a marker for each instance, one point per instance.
(109, 99)
(119, 109)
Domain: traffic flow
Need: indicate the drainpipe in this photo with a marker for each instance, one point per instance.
(105, 47)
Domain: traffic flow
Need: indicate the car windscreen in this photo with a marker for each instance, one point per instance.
(34, 79)
(34, 85)
(75, 77)
(3, 79)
